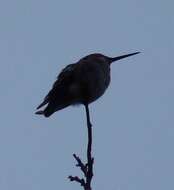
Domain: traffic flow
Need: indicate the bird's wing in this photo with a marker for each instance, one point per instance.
(64, 79)
(66, 75)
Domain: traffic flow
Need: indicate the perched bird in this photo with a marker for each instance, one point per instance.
(80, 83)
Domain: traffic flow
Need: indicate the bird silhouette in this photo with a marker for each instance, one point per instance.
(80, 83)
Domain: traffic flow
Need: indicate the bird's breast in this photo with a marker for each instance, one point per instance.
(95, 80)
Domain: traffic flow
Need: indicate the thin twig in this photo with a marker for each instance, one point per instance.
(81, 165)
(77, 179)
(87, 168)
(89, 157)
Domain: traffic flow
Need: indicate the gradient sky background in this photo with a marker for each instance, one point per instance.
(133, 123)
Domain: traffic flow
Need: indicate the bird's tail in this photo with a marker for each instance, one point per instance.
(41, 112)
(46, 112)
(53, 106)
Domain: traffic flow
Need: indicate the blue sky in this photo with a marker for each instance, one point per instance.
(133, 122)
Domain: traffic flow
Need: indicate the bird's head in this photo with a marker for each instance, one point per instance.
(97, 57)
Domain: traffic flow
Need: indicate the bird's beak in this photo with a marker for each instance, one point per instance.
(121, 57)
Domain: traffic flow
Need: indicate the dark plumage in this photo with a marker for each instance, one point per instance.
(79, 83)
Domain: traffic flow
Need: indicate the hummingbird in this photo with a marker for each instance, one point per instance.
(82, 82)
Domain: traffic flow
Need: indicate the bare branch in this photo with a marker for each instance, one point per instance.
(87, 168)
(89, 150)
